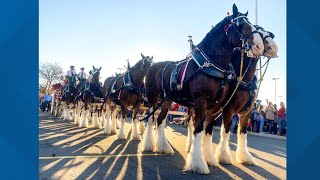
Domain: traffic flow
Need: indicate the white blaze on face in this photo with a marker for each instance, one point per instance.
(258, 47)
(272, 49)
(89, 79)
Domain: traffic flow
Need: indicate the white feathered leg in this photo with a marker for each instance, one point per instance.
(189, 138)
(67, 113)
(76, 116)
(141, 124)
(117, 122)
(84, 121)
(148, 141)
(62, 111)
(195, 160)
(121, 134)
(134, 133)
(163, 145)
(114, 121)
(102, 119)
(141, 127)
(107, 128)
(73, 114)
(242, 153)
(78, 119)
(96, 123)
(223, 154)
(207, 150)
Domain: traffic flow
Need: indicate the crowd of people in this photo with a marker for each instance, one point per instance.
(269, 120)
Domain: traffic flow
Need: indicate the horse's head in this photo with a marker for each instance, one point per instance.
(95, 73)
(145, 62)
(270, 47)
(240, 31)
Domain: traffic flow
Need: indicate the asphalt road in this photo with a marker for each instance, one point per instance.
(69, 152)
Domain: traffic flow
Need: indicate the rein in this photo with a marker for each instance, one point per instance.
(260, 81)
(238, 81)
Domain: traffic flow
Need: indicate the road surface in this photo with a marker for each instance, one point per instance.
(68, 152)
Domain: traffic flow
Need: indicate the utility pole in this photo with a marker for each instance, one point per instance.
(275, 89)
(257, 24)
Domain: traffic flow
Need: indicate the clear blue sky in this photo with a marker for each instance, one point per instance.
(107, 33)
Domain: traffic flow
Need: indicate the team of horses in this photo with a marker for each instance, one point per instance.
(217, 77)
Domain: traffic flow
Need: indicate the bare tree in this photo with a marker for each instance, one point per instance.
(49, 72)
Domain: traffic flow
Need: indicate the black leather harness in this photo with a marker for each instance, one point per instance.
(128, 85)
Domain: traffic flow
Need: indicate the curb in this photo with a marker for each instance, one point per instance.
(261, 135)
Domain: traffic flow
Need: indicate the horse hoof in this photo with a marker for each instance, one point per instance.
(223, 155)
(244, 157)
(196, 165)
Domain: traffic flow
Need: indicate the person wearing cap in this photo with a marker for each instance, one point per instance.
(82, 75)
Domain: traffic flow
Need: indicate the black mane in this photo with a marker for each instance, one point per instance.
(207, 44)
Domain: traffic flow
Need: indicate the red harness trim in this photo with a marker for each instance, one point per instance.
(226, 27)
(182, 71)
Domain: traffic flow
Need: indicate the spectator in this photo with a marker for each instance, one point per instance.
(254, 118)
(249, 125)
(46, 102)
(282, 118)
(270, 116)
(234, 122)
(261, 118)
(275, 122)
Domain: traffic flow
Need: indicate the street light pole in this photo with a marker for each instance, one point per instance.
(275, 89)
(257, 24)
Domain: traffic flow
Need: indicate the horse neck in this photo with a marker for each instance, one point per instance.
(137, 75)
(215, 45)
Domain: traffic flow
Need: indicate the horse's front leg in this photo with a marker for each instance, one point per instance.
(96, 122)
(141, 123)
(114, 120)
(163, 145)
(195, 161)
(134, 128)
(207, 140)
(223, 153)
(242, 153)
(84, 119)
(148, 141)
(121, 134)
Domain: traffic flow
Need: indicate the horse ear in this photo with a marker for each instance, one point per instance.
(151, 57)
(246, 14)
(142, 56)
(235, 10)
(100, 68)
(93, 67)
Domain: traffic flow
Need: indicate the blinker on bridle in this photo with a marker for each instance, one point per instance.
(241, 36)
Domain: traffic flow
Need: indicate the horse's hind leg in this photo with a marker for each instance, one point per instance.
(223, 154)
(121, 134)
(195, 161)
(242, 153)
(163, 145)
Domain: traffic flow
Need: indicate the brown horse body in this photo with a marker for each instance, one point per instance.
(202, 92)
(125, 91)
